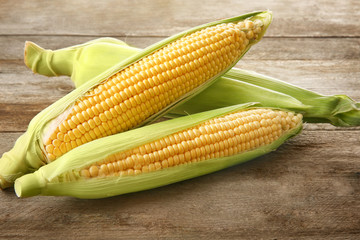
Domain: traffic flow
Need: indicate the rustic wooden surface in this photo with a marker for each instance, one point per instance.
(308, 189)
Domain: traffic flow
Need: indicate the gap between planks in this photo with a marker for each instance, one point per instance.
(315, 127)
(164, 36)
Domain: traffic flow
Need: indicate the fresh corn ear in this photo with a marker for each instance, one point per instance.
(234, 87)
(134, 92)
(163, 153)
(142, 90)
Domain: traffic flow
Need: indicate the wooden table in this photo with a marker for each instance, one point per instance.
(308, 189)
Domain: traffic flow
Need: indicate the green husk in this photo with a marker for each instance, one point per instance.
(82, 62)
(45, 181)
(234, 87)
(239, 86)
(26, 155)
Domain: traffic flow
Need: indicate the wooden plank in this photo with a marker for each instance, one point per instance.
(34, 92)
(326, 77)
(308, 189)
(163, 18)
(268, 49)
(283, 195)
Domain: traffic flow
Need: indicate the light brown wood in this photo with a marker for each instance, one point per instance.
(308, 189)
(279, 48)
(162, 18)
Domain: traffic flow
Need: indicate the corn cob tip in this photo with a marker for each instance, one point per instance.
(42, 61)
(27, 186)
(3, 183)
(10, 169)
(31, 51)
(13, 163)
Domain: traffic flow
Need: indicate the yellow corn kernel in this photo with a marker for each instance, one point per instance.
(134, 94)
(220, 137)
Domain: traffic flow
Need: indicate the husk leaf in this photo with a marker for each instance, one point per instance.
(44, 181)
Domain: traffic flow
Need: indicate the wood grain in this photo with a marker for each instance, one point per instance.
(284, 195)
(280, 48)
(308, 189)
(162, 18)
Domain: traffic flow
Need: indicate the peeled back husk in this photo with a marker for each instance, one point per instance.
(64, 177)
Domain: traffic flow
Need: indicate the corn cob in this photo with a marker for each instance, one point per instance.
(131, 96)
(163, 153)
(234, 87)
(135, 91)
